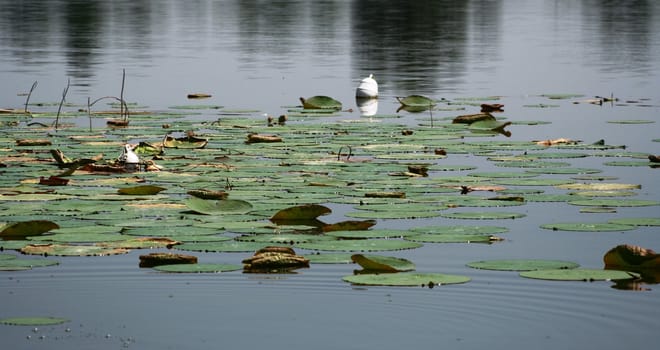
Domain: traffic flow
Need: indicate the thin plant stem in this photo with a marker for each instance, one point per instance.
(59, 109)
(27, 100)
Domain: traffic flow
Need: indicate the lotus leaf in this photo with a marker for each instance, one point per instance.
(587, 227)
(406, 279)
(320, 102)
(637, 221)
(33, 321)
(600, 186)
(483, 215)
(522, 265)
(453, 238)
(416, 101)
(70, 250)
(301, 212)
(377, 233)
(382, 264)
(144, 190)
(329, 258)
(198, 268)
(284, 238)
(24, 264)
(360, 245)
(224, 206)
(614, 202)
(579, 274)
(28, 228)
(225, 246)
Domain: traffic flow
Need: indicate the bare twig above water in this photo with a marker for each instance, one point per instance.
(59, 109)
(27, 99)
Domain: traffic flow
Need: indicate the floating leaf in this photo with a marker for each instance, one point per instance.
(406, 279)
(579, 274)
(614, 202)
(360, 245)
(637, 221)
(330, 258)
(70, 250)
(416, 101)
(28, 228)
(522, 265)
(382, 264)
(223, 206)
(320, 102)
(453, 238)
(25, 264)
(198, 268)
(144, 190)
(486, 215)
(301, 212)
(33, 321)
(377, 233)
(587, 227)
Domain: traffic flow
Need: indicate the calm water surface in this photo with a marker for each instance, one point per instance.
(263, 55)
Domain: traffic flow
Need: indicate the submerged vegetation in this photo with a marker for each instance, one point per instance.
(238, 183)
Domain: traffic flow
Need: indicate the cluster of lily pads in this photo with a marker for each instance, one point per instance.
(373, 171)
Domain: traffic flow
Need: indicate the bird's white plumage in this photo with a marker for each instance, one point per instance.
(368, 88)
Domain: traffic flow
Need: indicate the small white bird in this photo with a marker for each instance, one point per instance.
(128, 156)
(368, 88)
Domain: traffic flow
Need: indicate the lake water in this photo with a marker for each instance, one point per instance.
(263, 56)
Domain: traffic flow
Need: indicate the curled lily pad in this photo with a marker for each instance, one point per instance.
(579, 274)
(28, 228)
(406, 279)
(416, 101)
(382, 264)
(320, 102)
(198, 268)
(144, 190)
(33, 321)
(301, 212)
(223, 206)
(522, 264)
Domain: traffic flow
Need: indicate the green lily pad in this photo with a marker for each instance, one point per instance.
(522, 264)
(320, 102)
(198, 268)
(360, 245)
(224, 246)
(579, 274)
(377, 233)
(636, 221)
(406, 279)
(587, 227)
(453, 238)
(223, 206)
(614, 202)
(19, 264)
(599, 186)
(460, 229)
(33, 321)
(284, 238)
(485, 215)
(631, 121)
(329, 258)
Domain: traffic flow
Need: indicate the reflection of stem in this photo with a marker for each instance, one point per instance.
(89, 114)
(121, 96)
(27, 100)
(59, 109)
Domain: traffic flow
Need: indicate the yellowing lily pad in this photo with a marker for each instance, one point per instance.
(406, 279)
(301, 212)
(144, 190)
(70, 250)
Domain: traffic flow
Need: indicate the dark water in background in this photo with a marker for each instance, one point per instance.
(264, 55)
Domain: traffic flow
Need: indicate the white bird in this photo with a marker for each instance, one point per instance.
(368, 88)
(128, 156)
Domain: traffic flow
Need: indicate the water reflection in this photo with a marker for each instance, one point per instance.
(413, 45)
(623, 34)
